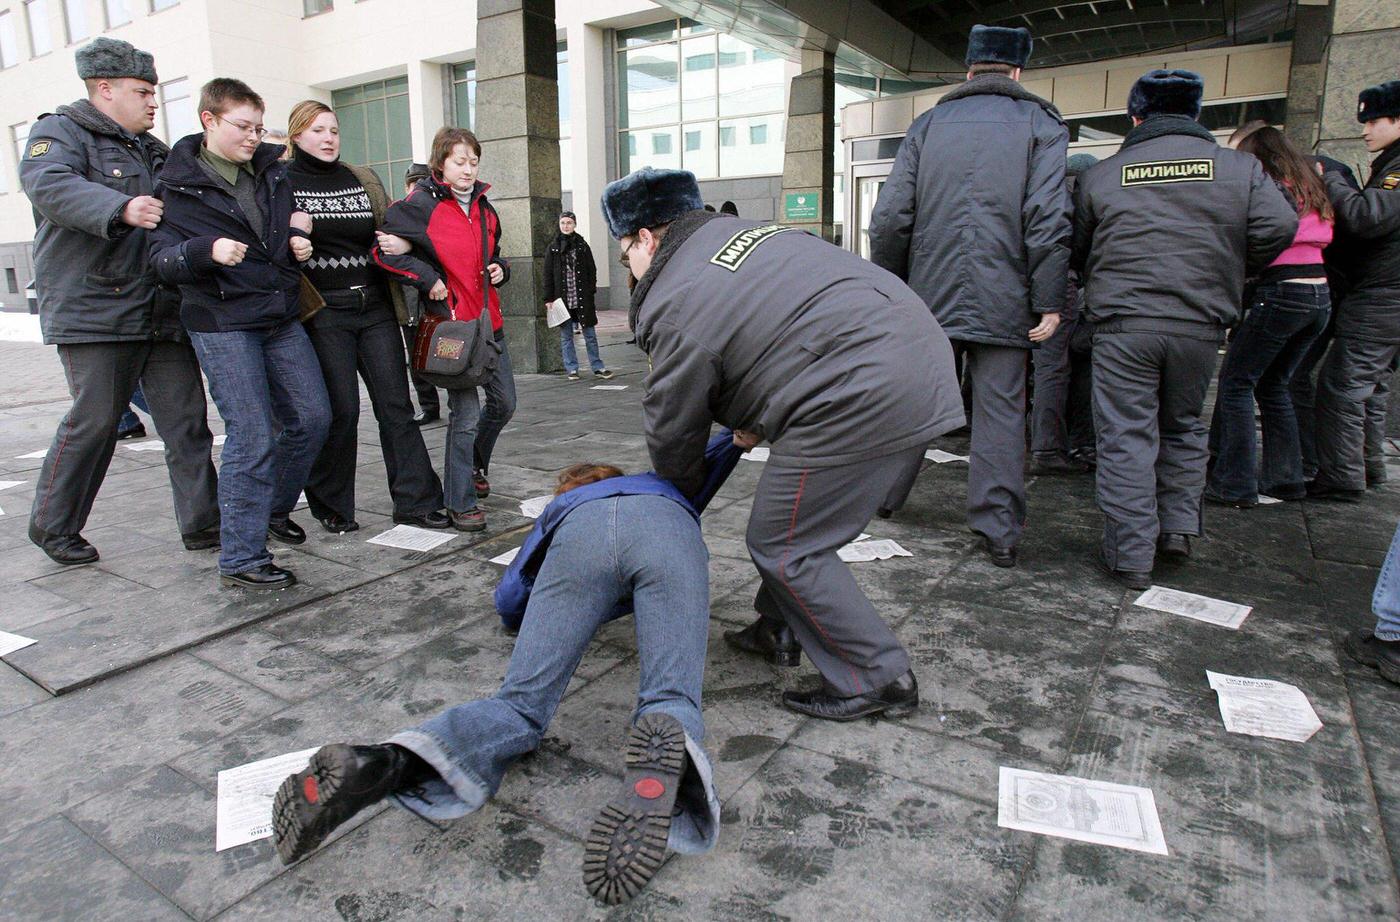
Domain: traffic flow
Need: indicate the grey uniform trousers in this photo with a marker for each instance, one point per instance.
(1060, 409)
(101, 377)
(1149, 392)
(1303, 389)
(996, 473)
(1354, 372)
(800, 518)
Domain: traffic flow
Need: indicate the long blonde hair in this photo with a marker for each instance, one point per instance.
(301, 117)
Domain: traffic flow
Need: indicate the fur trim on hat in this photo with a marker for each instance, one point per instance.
(112, 57)
(647, 198)
(1166, 92)
(1380, 101)
(998, 45)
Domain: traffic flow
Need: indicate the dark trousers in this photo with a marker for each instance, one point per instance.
(996, 475)
(1149, 391)
(1354, 372)
(1061, 408)
(357, 333)
(496, 410)
(1263, 356)
(428, 400)
(101, 378)
(801, 517)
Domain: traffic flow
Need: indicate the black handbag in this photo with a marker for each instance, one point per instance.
(459, 354)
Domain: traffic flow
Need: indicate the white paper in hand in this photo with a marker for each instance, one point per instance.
(760, 453)
(1263, 707)
(409, 538)
(939, 456)
(244, 808)
(1197, 607)
(1079, 808)
(507, 558)
(533, 507)
(9, 643)
(861, 551)
(557, 313)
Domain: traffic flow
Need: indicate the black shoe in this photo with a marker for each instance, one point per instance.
(434, 519)
(1004, 557)
(201, 540)
(69, 550)
(884, 513)
(480, 483)
(1057, 464)
(772, 640)
(1133, 579)
(627, 843)
(1323, 491)
(1216, 499)
(897, 699)
(1369, 650)
(340, 781)
(286, 531)
(337, 524)
(137, 431)
(267, 576)
(1174, 547)
(1375, 476)
(424, 417)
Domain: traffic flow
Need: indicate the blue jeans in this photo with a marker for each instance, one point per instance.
(268, 388)
(590, 342)
(1268, 346)
(644, 547)
(472, 434)
(129, 419)
(1385, 602)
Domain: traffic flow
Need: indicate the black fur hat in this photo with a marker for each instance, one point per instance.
(1166, 92)
(1380, 101)
(647, 198)
(112, 57)
(998, 45)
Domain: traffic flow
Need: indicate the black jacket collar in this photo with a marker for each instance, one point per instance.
(1159, 126)
(999, 85)
(183, 166)
(680, 231)
(1383, 163)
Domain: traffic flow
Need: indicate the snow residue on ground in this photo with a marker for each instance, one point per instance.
(19, 328)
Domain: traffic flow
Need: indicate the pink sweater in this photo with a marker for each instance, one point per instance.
(1306, 249)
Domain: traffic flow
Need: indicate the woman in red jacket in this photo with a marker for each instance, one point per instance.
(450, 224)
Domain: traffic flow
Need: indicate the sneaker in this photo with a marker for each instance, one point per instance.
(471, 520)
(573, 376)
(604, 374)
(1369, 650)
(627, 844)
(480, 483)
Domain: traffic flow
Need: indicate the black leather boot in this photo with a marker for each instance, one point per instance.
(772, 640)
(897, 699)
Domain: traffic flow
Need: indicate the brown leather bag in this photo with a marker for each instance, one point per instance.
(309, 300)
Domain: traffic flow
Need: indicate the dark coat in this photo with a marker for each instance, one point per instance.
(974, 214)
(586, 283)
(260, 293)
(93, 280)
(764, 328)
(1168, 228)
(1371, 220)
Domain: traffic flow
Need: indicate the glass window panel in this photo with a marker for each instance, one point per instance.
(698, 80)
(396, 171)
(726, 136)
(313, 7)
(75, 11)
(352, 134)
(701, 155)
(746, 156)
(649, 90)
(376, 132)
(178, 104)
(158, 5)
(691, 27)
(653, 147)
(562, 73)
(40, 41)
(644, 35)
(395, 86)
(400, 129)
(9, 42)
(347, 96)
(117, 13)
(464, 71)
(662, 142)
(463, 98)
(745, 87)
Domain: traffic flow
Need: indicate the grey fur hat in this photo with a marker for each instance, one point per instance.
(649, 197)
(112, 57)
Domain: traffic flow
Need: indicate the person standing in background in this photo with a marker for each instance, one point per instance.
(571, 274)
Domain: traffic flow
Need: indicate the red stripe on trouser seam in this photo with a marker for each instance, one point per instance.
(782, 577)
(58, 456)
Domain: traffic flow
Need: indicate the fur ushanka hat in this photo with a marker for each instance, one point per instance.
(1380, 101)
(647, 198)
(112, 57)
(1166, 92)
(998, 45)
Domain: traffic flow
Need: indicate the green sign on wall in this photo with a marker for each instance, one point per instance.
(802, 206)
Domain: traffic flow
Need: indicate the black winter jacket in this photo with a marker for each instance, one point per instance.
(79, 170)
(1168, 228)
(1371, 220)
(260, 293)
(586, 281)
(974, 215)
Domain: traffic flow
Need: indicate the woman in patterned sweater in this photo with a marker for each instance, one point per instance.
(358, 329)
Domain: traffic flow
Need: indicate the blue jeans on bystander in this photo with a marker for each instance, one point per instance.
(570, 349)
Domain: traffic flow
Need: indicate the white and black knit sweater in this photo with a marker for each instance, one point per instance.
(342, 224)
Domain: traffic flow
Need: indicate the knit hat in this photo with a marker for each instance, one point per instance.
(1166, 92)
(647, 198)
(1078, 163)
(112, 57)
(998, 45)
(1380, 101)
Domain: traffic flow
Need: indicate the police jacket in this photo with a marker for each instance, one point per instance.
(513, 593)
(80, 169)
(1371, 220)
(975, 216)
(261, 292)
(1167, 229)
(774, 331)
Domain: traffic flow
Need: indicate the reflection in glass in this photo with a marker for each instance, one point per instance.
(659, 148)
(649, 87)
(750, 79)
(755, 145)
(698, 79)
(701, 156)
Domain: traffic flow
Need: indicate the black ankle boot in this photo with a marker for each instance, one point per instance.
(772, 640)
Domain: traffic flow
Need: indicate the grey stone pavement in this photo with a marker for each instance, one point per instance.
(147, 679)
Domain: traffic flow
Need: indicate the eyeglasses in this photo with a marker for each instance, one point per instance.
(623, 259)
(256, 131)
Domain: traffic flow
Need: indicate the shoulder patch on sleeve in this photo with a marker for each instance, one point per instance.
(737, 248)
(39, 148)
(1163, 171)
(1391, 181)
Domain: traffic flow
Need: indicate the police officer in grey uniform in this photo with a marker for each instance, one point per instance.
(835, 362)
(1165, 232)
(975, 216)
(1366, 340)
(89, 170)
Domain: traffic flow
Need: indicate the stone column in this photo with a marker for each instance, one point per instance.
(809, 155)
(517, 121)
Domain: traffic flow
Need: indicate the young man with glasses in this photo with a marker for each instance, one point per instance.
(229, 243)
